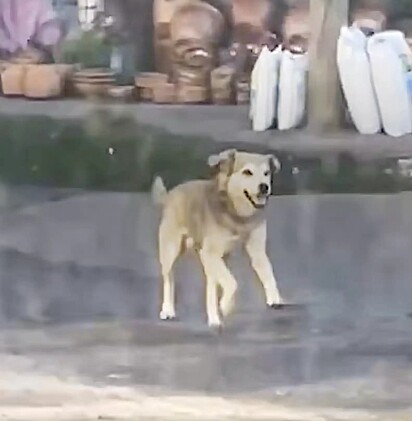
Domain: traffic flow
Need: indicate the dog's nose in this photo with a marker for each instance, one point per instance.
(263, 188)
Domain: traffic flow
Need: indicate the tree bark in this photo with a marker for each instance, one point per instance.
(325, 102)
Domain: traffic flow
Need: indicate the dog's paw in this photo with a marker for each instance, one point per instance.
(167, 315)
(278, 306)
(216, 329)
(215, 325)
(275, 303)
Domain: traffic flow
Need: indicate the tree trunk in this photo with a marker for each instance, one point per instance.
(325, 105)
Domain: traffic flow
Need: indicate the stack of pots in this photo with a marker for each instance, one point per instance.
(150, 83)
(196, 30)
(163, 11)
(296, 28)
(222, 81)
(252, 25)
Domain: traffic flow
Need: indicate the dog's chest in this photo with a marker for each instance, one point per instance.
(229, 241)
(223, 243)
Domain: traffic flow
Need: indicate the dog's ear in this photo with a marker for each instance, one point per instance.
(274, 164)
(222, 166)
(224, 161)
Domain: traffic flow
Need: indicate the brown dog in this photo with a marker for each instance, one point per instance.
(212, 216)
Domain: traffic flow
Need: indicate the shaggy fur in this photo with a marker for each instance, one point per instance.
(212, 217)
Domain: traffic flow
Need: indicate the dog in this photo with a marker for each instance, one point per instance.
(212, 217)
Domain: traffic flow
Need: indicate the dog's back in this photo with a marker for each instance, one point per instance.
(185, 207)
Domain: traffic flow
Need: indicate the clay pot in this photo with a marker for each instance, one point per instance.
(145, 94)
(92, 90)
(45, 81)
(222, 85)
(192, 94)
(145, 83)
(255, 13)
(197, 21)
(149, 79)
(164, 93)
(254, 24)
(248, 46)
(196, 31)
(186, 75)
(93, 83)
(243, 92)
(122, 93)
(163, 11)
(296, 26)
(12, 79)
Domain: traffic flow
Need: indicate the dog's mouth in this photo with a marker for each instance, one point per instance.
(259, 202)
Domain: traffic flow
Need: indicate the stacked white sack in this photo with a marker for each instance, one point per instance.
(389, 57)
(292, 90)
(356, 80)
(264, 85)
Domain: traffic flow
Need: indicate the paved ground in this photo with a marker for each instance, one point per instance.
(80, 337)
(219, 123)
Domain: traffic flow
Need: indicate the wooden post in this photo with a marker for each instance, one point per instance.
(325, 102)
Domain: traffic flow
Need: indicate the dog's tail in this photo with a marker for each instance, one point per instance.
(159, 191)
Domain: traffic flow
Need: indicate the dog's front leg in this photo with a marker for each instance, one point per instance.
(217, 273)
(256, 249)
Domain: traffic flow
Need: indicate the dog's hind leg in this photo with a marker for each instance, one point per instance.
(170, 243)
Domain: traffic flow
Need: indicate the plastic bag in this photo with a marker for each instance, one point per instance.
(292, 90)
(356, 80)
(390, 63)
(264, 86)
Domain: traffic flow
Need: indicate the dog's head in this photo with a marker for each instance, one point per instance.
(245, 178)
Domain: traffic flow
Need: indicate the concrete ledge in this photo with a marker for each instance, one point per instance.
(226, 124)
(96, 253)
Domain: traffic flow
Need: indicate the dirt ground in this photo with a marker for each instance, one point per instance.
(28, 395)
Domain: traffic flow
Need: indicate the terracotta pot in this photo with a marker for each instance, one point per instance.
(164, 93)
(196, 31)
(222, 85)
(163, 56)
(150, 79)
(122, 93)
(12, 80)
(186, 75)
(253, 22)
(145, 94)
(44, 81)
(296, 25)
(256, 13)
(197, 21)
(243, 92)
(192, 94)
(92, 90)
(163, 11)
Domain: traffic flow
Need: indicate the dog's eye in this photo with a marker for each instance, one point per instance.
(247, 173)
(267, 173)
